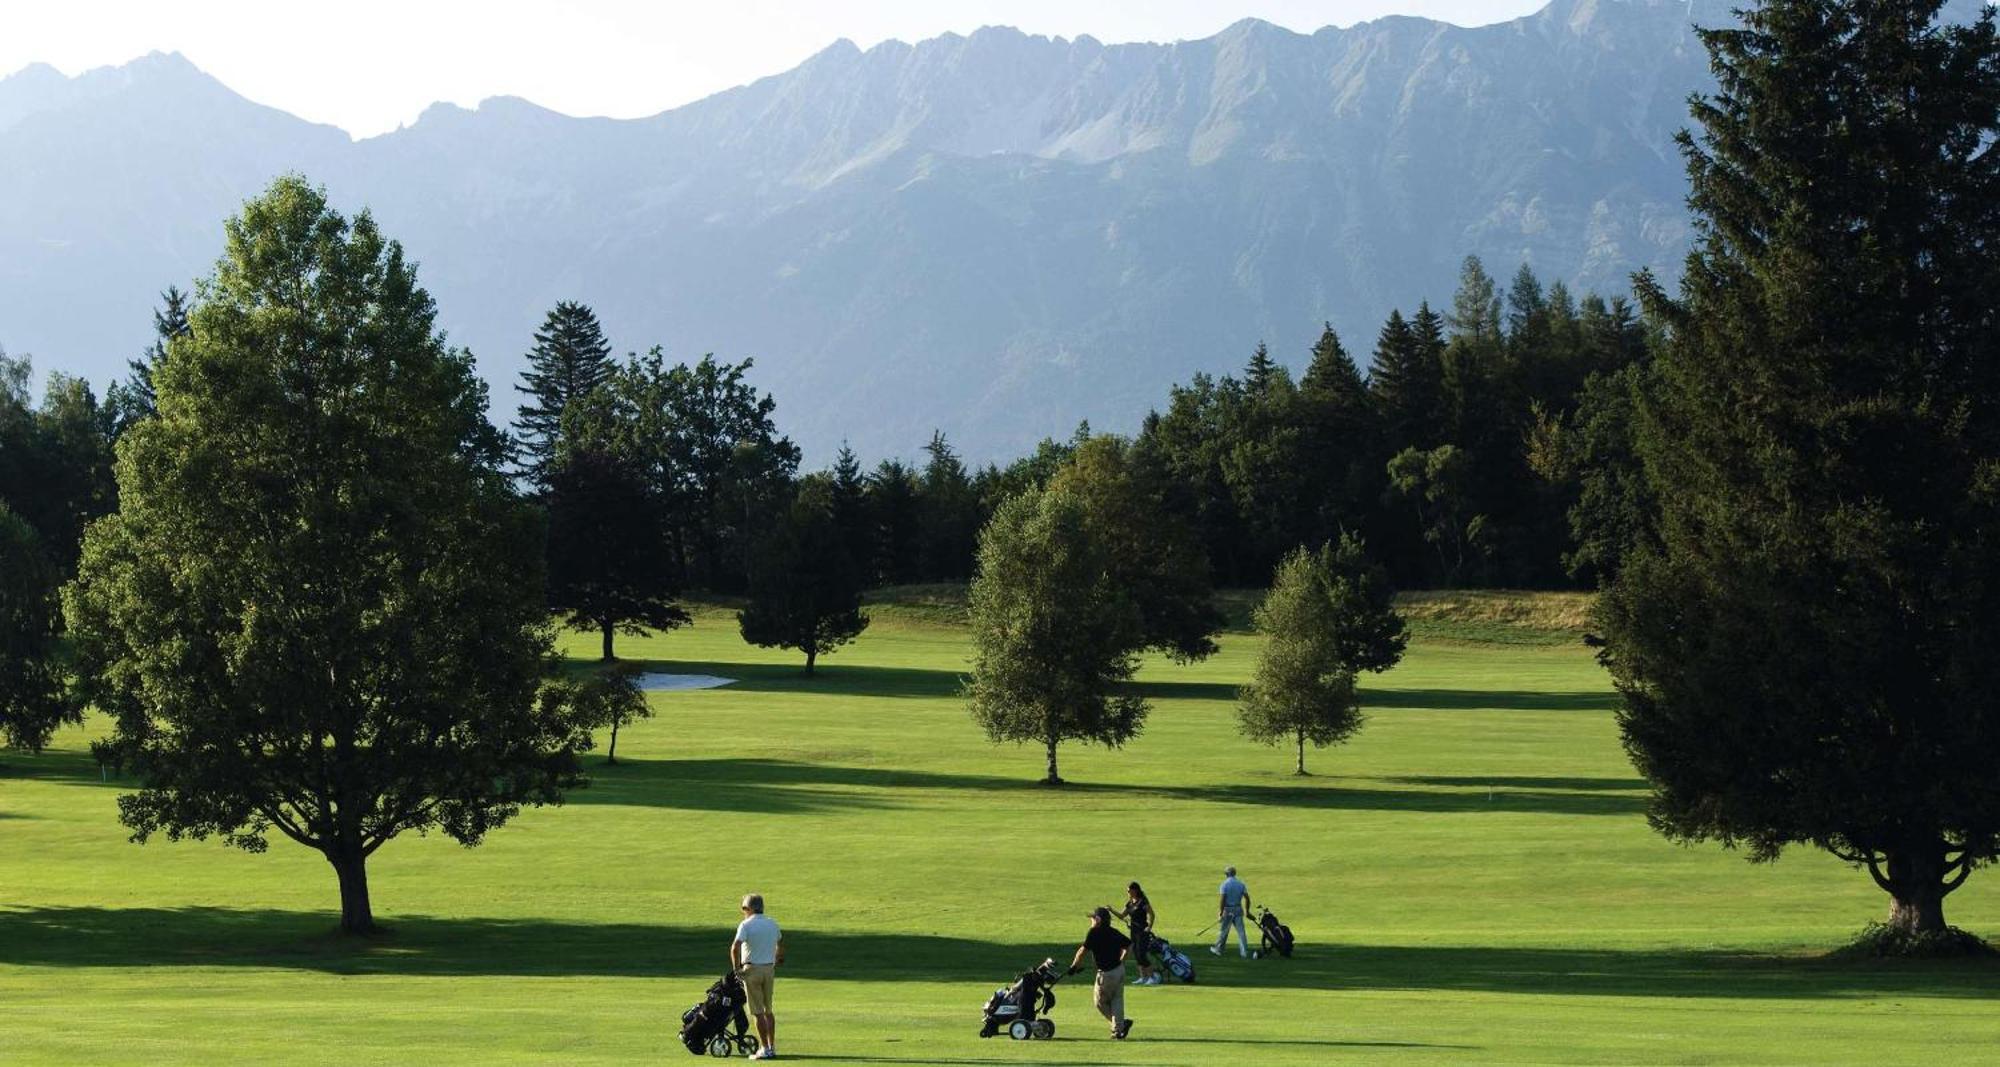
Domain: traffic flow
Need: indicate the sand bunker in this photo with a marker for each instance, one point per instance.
(657, 681)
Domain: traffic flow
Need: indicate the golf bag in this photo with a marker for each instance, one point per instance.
(1019, 1008)
(718, 1026)
(1174, 960)
(1277, 936)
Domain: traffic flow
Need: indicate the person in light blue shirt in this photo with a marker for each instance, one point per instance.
(1235, 900)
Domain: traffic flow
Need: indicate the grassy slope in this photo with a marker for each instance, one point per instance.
(1471, 879)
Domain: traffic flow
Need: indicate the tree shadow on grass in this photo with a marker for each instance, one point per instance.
(1506, 781)
(426, 946)
(68, 766)
(772, 786)
(1488, 700)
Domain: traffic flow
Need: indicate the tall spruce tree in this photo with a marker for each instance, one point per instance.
(848, 487)
(1342, 446)
(134, 399)
(570, 358)
(1806, 654)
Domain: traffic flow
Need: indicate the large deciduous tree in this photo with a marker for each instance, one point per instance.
(318, 610)
(1053, 630)
(1805, 644)
(1329, 616)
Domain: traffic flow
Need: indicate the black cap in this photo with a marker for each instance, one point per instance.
(1101, 914)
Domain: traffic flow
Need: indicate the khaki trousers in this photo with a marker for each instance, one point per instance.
(1111, 995)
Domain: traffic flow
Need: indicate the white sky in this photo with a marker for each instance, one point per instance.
(371, 65)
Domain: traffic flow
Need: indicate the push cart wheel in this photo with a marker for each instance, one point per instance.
(720, 1046)
(1045, 1028)
(1019, 1030)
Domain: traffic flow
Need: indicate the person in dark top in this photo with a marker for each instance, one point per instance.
(1138, 914)
(1107, 948)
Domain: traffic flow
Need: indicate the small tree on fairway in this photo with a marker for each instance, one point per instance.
(609, 697)
(1053, 631)
(32, 698)
(1329, 616)
(1805, 637)
(318, 610)
(806, 593)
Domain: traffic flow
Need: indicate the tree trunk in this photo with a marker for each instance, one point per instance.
(811, 654)
(356, 917)
(1916, 890)
(609, 629)
(1302, 752)
(1053, 778)
(611, 754)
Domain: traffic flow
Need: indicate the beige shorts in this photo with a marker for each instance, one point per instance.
(758, 978)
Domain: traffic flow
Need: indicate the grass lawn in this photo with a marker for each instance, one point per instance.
(1471, 881)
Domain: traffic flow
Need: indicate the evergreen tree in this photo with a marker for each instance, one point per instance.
(1052, 630)
(807, 594)
(1805, 653)
(318, 610)
(1329, 616)
(849, 489)
(133, 399)
(893, 508)
(1261, 372)
(1475, 308)
(1342, 440)
(948, 515)
(570, 358)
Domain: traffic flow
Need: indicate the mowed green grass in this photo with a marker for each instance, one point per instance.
(1471, 880)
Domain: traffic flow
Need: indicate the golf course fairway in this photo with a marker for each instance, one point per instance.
(1471, 880)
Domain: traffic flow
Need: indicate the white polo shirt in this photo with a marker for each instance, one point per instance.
(760, 934)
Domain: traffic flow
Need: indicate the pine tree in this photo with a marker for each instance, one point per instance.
(1475, 307)
(1342, 440)
(570, 358)
(849, 489)
(134, 399)
(1406, 381)
(1261, 372)
(948, 515)
(1806, 654)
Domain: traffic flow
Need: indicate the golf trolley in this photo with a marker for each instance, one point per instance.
(1018, 1008)
(718, 1025)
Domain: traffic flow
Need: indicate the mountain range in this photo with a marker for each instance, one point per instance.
(996, 235)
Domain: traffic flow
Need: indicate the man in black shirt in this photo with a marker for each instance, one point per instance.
(1107, 948)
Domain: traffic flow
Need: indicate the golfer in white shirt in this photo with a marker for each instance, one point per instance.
(755, 955)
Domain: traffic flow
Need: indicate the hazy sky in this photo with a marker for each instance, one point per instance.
(370, 65)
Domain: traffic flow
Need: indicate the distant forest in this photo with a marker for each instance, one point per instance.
(1483, 447)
